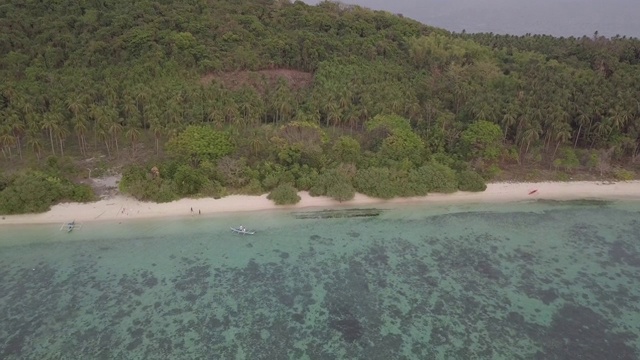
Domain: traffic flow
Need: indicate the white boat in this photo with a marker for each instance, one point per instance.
(242, 230)
(70, 226)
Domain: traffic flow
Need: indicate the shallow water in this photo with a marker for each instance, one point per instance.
(521, 281)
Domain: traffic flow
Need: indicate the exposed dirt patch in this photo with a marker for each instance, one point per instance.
(106, 186)
(260, 80)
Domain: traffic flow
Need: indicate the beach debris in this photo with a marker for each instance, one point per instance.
(533, 191)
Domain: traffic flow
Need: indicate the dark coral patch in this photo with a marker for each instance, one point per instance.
(623, 253)
(349, 327)
(578, 332)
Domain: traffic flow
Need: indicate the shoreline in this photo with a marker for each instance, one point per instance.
(123, 208)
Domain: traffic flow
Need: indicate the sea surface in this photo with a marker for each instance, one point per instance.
(518, 17)
(537, 280)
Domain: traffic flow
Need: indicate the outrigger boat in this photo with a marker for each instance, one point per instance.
(70, 226)
(242, 230)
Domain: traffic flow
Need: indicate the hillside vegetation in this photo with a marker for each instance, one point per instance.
(257, 95)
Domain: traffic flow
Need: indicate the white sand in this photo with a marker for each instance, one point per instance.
(122, 207)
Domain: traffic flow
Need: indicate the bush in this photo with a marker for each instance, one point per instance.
(417, 184)
(375, 182)
(36, 191)
(482, 139)
(82, 193)
(470, 181)
(253, 188)
(233, 172)
(591, 160)
(438, 178)
(623, 175)
(138, 182)
(347, 150)
(341, 192)
(306, 181)
(334, 181)
(131, 176)
(199, 143)
(189, 181)
(59, 166)
(275, 174)
(271, 181)
(284, 194)
(567, 159)
(213, 189)
(491, 172)
(4, 181)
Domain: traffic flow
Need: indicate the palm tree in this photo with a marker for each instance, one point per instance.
(232, 115)
(61, 133)
(256, 141)
(214, 115)
(562, 135)
(529, 135)
(333, 114)
(151, 113)
(412, 108)
(246, 109)
(114, 129)
(396, 106)
(142, 98)
(80, 126)
(33, 141)
(76, 104)
(508, 120)
(6, 140)
(130, 109)
(51, 122)
(133, 134)
(17, 128)
(601, 128)
(103, 134)
(99, 116)
(284, 108)
(584, 120)
(111, 96)
(157, 130)
(618, 118)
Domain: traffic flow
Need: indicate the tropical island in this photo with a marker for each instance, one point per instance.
(286, 102)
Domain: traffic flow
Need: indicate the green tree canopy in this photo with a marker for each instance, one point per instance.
(199, 142)
(397, 140)
(483, 140)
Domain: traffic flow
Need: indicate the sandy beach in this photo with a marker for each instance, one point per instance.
(120, 207)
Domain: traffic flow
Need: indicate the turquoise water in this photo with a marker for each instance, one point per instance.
(520, 281)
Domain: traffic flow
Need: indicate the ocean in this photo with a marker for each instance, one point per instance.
(535, 280)
(518, 17)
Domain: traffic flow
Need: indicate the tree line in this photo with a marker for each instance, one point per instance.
(112, 78)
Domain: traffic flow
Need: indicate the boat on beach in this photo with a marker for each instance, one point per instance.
(242, 230)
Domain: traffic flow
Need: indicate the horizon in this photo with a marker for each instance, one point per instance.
(560, 18)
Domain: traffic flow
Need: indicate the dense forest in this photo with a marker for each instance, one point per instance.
(258, 96)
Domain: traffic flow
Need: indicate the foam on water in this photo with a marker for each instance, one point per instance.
(517, 281)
